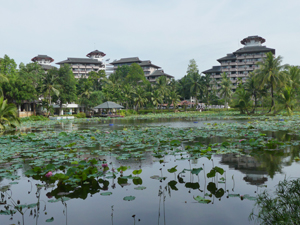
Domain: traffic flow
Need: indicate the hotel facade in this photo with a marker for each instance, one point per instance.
(241, 62)
(152, 72)
(81, 67)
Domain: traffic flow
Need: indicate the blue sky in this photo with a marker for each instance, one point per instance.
(167, 32)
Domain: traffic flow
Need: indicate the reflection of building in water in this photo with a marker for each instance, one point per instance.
(134, 163)
(255, 173)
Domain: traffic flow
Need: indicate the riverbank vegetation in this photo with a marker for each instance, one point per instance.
(273, 87)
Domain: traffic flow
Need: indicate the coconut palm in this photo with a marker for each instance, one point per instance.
(195, 85)
(127, 93)
(292, 73)
(8, 114)
(252, 87)
(174, 98)
(225, 90)
(162, 86)
(286, 99)
(207, 86)
(242, 99)
(156, 98)
(140, 97)
(50, 85)
(269, 74)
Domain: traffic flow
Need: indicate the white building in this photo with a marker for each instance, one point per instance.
(81, 67)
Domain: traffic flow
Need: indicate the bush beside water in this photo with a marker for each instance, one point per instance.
(80, 115)
(34, 118)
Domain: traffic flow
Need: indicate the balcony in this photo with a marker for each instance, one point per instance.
(225, 70)
(225, 63)
(241, 57)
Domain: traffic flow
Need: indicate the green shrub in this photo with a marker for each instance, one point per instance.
(129, 112)
(80, 115)
(34, 118)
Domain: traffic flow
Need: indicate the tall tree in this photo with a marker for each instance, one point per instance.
(192, 67)
(195, 85)
(67, 88)
(135, 74)
(162, 87)
(50, 85)
(174, 98)
(269, 74)
(156, 98)
(225, 90)
(140, 97)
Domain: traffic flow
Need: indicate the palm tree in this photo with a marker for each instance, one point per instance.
(175, 98)
(162, 86)
(8, 114)
(195, 84)
(286, 99)
(50, 85)
(140, 97)
(292, 73)
(242, 99)
(269, 74)
(207, 86)
(252, 87)
(226, 88)
(156, 98)
(127, 93)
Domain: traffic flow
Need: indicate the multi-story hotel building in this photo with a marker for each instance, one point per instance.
(44, 61)
(82, 66)
(241, 62)
(151, 71)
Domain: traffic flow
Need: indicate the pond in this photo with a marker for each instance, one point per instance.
(166, 171)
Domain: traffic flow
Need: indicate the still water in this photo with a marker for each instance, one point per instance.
(166, 201)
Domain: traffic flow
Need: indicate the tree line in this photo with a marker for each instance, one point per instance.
(273, 86)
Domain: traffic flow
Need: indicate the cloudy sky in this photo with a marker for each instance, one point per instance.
(167, 32)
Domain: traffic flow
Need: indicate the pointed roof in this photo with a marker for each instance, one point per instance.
(80, 60)
(127, 60)
(159, 73)
(36, 58)
(256, 38)
(227, 57)
(254, 49)
(109, 105)
(148, 63)
(214, 69)
(96, 52)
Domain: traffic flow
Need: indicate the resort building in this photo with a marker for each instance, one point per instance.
(152, 72)
(241, 62)
(82, 66)
(44, 60)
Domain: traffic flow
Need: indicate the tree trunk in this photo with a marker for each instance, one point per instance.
(272, 95)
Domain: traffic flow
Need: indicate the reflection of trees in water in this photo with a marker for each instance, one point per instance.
(281, 208)
(265, 161)
(11, 206)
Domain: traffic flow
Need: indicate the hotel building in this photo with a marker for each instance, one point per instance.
(241, 62)
(82, 66)
(44, 61)
(151, 71)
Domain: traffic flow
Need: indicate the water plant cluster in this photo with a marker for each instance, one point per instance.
(79, 163)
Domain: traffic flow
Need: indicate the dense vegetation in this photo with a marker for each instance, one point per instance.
(273, 86)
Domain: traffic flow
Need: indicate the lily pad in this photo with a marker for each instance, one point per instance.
(201, 199)
(106, 193)
(129, 198)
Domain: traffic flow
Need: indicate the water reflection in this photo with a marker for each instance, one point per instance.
(255, 172)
